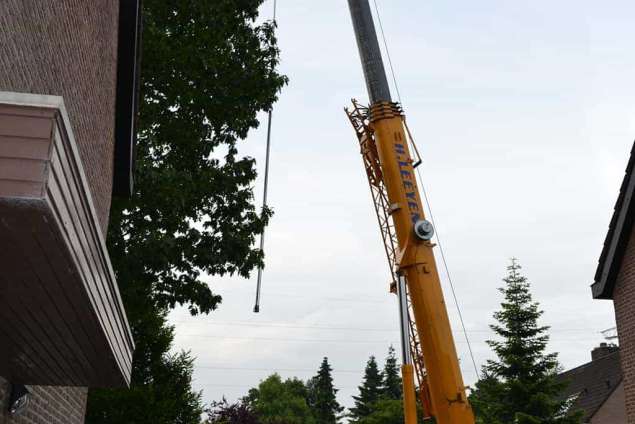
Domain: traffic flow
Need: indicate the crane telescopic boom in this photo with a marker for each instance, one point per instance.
(384, 142)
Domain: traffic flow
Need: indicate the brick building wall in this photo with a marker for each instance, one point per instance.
(65, 48)
(623, 300)
(68, 48)
(48, 405)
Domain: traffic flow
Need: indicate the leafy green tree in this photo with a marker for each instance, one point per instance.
(392, 388)
(322, 396)
(208, 69)
(167, 397)
(236, 413)
(369, 392)
(520, 386)
(281, 402)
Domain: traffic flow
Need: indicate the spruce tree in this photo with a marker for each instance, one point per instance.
(322, 396)
(392, 379)
(369, 392)
(520, 386)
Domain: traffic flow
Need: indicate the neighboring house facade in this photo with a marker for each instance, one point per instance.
(596, 388)
(68, 93)
(615, 279)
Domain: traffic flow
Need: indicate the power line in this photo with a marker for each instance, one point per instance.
(326, 341)
(367, 299)
(215, 367)
(324, 327)
(246, 386)
(300, 327)
(282, 339)
(273, 370)
(335, 299)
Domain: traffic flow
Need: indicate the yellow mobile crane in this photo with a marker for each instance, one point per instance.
(427, 346)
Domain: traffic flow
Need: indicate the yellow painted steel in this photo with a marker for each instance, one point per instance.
(409, 398)
(416, 261)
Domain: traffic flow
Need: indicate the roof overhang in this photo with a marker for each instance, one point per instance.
(617, 238)
(62, 321)
(126, 107)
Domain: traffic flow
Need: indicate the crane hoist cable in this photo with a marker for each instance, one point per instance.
(427, 199)
(265, 189)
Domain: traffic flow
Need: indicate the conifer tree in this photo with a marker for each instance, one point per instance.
(392, 379)
(369, 392)
(322, 396)
(520, 386)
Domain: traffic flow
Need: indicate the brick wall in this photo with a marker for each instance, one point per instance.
(48, 405)
(65, 48)
(68, 48)
(623, 300)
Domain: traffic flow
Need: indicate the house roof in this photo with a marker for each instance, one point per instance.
(591, 384)
(617, 237)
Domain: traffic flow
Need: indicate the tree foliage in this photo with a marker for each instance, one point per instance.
(391, 385)
(388, 409)
(384, 411)
(281, 402)
(520, 386)
(369, 392)
(167, 397)
(208, 68)
(278, 401)
(322, 396)
(236, 413)
(207, 71)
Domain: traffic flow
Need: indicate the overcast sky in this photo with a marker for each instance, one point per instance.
(524, 113)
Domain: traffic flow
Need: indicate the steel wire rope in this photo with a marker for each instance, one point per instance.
(425, 195)
(265, 189)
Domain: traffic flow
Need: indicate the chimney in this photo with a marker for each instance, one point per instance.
(603, 350)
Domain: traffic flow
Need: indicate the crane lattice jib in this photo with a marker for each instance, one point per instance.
(359, 119)
(358, 116)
